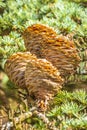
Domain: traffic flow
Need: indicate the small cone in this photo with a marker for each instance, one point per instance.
(15, 67)
(43, 81)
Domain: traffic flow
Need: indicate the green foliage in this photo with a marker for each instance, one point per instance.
(80, 0)
(10, 44)
(70, 111)
(2, 4)
(63, 15)
(71, 108)
(80, 96)
(80, 123)
(62, 97)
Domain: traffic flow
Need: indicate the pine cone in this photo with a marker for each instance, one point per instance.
(42, 76)
(38, 76)
(15, 67)
(43, 81)
(59, 50)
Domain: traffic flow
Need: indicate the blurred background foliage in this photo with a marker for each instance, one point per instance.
(67, 17)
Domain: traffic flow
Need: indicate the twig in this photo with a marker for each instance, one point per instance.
(49, 124)
(22, 117)
(16, 120)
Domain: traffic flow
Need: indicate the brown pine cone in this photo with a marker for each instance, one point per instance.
(43, 81)
(59, 50)
(38, 76)
(15, 67)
